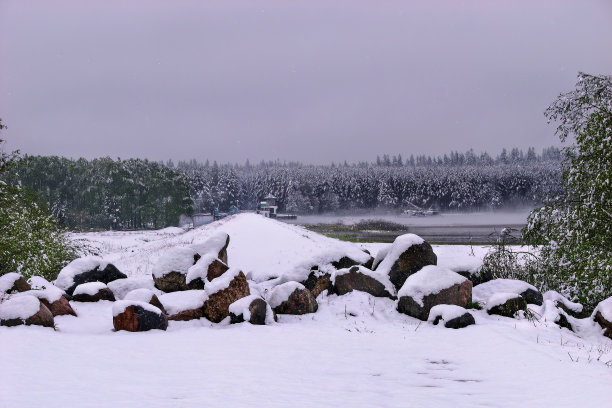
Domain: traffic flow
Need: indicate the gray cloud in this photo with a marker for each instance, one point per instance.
(312, 81)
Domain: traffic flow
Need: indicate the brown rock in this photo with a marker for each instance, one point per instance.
(411, 261)
(216, 308)
(317, 282)
(301, 301)
(187, 315)
(60, 307)
(175, 282)
(102, 294)
(135, 319)
(19, 284)
(43, 317)
(359, 278)
(216, 268)
(459, 294)
(599, 319)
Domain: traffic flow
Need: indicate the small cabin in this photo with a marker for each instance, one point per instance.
(268, 207)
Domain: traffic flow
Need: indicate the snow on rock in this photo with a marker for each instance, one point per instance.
(122, 287)
(446, 312)
(429, 280)
(202, 268)
(499, 298)
(372, 282)
(136, 316)
(240, 311)
(38, 282)
(400, 245)
(13, 282)
(141, 295)
(120, 306)
(282, 292)
(481, 293)
(559, 300)
(177, 302)
(222, 282)
(603, 316)
(176, 259)
(90, 288)
(380, 255)
(19, 307)
(65, 279)
(505, 304)
(51, 294)
(215, 245)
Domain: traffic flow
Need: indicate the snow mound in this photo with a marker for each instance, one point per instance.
(120, 306)
(19, 307)
(38, 282)
(380, 277)
(605, 308)
(122, 287)
(557, 297)
(448, 312)
(500, 298)
(400, 245)
(176, 259)
(429, 280)
(222, 282)
(282, 292)
(65, 279)
(90, 288)
(7, 281)
(200, 269)
(482, 292)
(177, 302)
(212, 245)
(141, 295)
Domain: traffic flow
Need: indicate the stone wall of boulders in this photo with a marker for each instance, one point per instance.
(197, 282)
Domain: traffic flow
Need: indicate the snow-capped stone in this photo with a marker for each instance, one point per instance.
(453, 316)
(147, 296)
(53, 298)
(170, 270)
(550, 312)
(28, 310)
(292, 298)
(602, 315)
(505, 304)
(252, 309)
(408, 254)
(222, 292)
(208, 267)
(184, 305)
(135, 316)
(363, 279)
(569, 307)
(38, 282)
(13, 282)
(84, 270)
(431, 286)
(485, 290)
(92, 292)
(317, 282)
(122, 287)
(215, 245)
(380, 255)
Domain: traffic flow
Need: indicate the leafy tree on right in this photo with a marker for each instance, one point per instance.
(575, 231)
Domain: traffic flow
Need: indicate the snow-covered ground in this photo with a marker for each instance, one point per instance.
(356, 350)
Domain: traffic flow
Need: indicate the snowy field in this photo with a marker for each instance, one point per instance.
(355, 351)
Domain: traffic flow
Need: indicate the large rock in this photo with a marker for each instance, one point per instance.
(292, 298)
(216, 245)
(85, 270)
(602, 315)
(170, 270)
(147, 296)
(317, 282)
(121, 287)
(431, 286)
(222, 292)
(529, 292)
(51, 296)
(252, 309)
(505, 304)
(408, 254)
(92, 292)
(135, 316)
(344, 262)
(362, 279)
(184, 305)
(13, 282)
(208, 267)
(454, 317)
(28, 310)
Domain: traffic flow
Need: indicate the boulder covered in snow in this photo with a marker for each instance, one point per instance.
(147, 296)
(170, 270)
(363, 279)
(184, 305)
(85, 270)
(51, 296)
(92, 292)
(506, 304)
(222, 292)
(453, 316)
(13, 282)
(215, 245)
(529, 292)
(208, 267)
(135, 316)
(408, 254)
(28, 310)
(602, 315)
(571, 308)
(252, 309)
(121, 287)
(292, 298)
(318, 281)
(431, 286)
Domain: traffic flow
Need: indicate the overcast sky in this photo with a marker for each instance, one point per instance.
(315, 81)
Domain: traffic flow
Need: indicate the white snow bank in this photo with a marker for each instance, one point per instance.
(605, 308)
(89, 288)
(171, 230)
(430, 279)
(221, 282)
(7, 281)
(400, 245)
(557, 297)
(19, 307)
(177, 302)
(447, 312)
(120, 306)
(200, 269)
(212, 245)
(482, 292)
(141, 295)
(282, 292)
(380, 277)
(122, 287)
(65, 279)
(176, 259)
(500, 298)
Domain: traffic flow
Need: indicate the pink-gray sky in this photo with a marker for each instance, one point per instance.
(315, 81)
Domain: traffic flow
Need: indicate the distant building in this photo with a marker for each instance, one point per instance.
(200, 219)
(268, 207)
